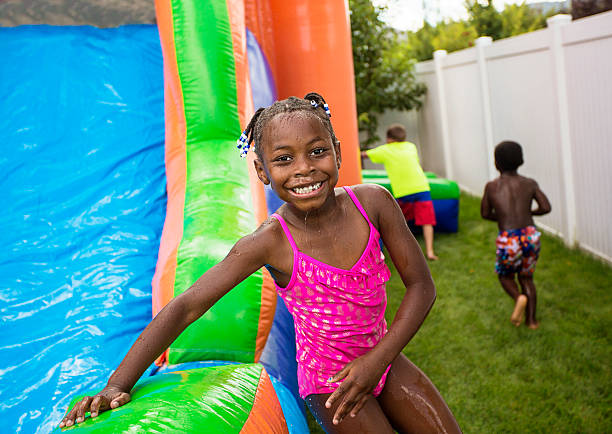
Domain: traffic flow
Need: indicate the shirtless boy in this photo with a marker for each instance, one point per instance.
(508, 200)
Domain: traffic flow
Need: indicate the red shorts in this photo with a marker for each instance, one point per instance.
(418, 207)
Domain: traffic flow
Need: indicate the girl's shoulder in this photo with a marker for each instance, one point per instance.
(269, 244)
(373, 198)
(269, 229)
(370, 193)
(266, 236)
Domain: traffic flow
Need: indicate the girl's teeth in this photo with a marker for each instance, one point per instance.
(305, 190)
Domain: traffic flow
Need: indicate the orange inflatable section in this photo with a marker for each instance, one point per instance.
(258, 17)
(308, 47)
(245, 112)
(266, 416)
(312, 52)
(163, 280)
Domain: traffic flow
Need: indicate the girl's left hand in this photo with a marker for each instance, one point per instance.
(360, 378)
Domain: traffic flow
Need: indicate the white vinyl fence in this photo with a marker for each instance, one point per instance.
(550, 91)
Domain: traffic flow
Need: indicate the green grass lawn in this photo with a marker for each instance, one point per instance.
(497, 378)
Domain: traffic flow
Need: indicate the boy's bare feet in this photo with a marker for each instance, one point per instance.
(432, 257)
(534, 326)
(518, 314)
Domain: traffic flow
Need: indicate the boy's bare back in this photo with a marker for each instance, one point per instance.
(508, 200)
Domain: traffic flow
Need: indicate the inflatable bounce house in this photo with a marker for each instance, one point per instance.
(122, 185)
(444, 195)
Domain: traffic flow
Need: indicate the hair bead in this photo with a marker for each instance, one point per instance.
(314, 104)
(326, 107)
(243, 144)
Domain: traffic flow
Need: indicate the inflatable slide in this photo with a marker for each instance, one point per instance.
(123, 185)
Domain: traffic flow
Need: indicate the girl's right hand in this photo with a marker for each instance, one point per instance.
(110, 397)
(360, 378)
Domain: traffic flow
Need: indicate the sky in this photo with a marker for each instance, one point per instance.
(408, 14)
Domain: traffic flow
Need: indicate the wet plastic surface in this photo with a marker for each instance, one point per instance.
(212, 396)
(214, 399)
(83, 188)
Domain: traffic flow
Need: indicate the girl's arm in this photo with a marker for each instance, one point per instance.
(362, 375)
(246, 257)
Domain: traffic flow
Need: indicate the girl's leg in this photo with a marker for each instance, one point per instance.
(412, 403)
(520, 301)
(529, 289)
(370, 419)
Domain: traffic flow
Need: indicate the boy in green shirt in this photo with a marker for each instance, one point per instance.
(408, 182)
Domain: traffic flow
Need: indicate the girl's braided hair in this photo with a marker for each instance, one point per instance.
(262, 116)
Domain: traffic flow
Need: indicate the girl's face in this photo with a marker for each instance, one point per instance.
(300, 162)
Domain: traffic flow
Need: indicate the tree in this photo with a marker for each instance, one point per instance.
(420, 43)
(513, 20)
(454, 35)
(449, 36)
(518, 19)
(583, 8)
(384, 69)
(484, 20)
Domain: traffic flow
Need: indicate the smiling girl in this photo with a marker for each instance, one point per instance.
(322, 249)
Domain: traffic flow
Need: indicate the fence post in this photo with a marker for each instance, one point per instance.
(438, 57)
(481, 43)
(556, 46)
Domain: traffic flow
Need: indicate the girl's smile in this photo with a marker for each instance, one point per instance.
(308, 190)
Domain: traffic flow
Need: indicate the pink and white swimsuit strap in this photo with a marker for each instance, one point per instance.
(361, 210)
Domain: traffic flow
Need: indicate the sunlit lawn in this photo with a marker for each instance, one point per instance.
(495, 377)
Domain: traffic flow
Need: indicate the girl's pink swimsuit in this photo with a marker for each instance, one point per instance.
(338, 314)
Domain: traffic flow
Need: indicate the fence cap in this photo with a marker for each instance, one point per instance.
(439, 54)
(559, 20)
(483, 40)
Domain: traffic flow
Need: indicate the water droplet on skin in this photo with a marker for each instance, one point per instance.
(306, 229)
